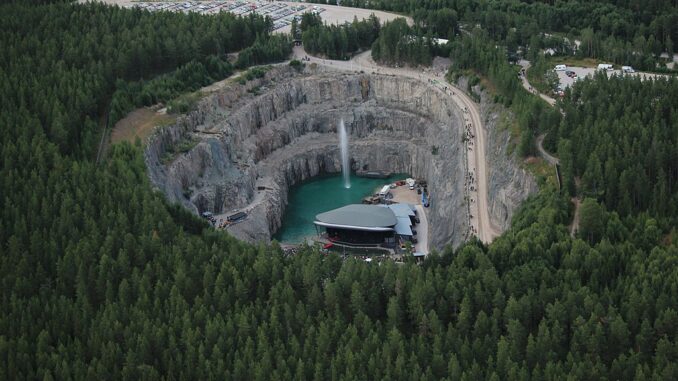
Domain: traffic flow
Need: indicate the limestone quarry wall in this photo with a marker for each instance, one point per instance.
(245, 145)
(508, 183)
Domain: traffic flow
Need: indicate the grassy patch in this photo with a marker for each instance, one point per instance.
(544, 172)
(253, 73)
(256, 90)
(297, 65)
(139, 124)
(477, 79)
(184, 103)
(573, 61)
(535, 76)
(186, 144)
(508, 122)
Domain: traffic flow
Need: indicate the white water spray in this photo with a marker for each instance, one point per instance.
(343, 146)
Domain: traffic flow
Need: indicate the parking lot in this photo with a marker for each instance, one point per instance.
(583, 72)
(282, 13)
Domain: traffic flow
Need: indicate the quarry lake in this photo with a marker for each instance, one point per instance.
(319, 195)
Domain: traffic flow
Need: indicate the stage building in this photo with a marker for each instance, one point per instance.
(367, 225)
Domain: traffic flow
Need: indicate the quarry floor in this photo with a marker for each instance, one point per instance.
(403, 194)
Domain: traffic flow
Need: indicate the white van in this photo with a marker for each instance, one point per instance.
(560, 67)
(628, 69)
(384, 190)
(410, 182)
(605, 67)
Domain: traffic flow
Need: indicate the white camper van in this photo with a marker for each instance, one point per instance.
(384, 190)
(628, 69)
(605, 67)
(560, 67)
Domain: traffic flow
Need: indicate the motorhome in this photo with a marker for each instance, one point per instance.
(560, 67)
(628, 69)
(605, 67)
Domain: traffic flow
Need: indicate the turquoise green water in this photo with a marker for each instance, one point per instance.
(319, 195)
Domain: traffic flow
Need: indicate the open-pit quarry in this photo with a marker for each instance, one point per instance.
(245, 145)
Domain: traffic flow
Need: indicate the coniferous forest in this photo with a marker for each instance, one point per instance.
(101, 279)
(337, 41)
(627, 32)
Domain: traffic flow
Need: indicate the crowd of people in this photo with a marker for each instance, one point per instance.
(470, 179)
(469, 138)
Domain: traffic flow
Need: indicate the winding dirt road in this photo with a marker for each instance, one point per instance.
(540, 147)
(526, 65)
(574, 226)
(480, 222)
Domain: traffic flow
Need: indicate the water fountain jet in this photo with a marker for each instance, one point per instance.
(343, 146)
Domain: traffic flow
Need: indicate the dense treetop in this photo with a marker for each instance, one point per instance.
(620, 137)
(398, 43)
(337, 41)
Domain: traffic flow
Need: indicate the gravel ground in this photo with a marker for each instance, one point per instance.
(403, 194)
(334, 14)
(583, 72)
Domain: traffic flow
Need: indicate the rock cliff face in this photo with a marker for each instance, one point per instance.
(245, 145)
(508, 184)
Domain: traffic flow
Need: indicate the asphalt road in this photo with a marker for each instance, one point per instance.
(422, 231)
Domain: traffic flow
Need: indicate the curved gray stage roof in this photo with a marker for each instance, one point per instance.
(358, 217)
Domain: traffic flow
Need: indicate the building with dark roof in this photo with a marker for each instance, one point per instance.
(360, 224)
